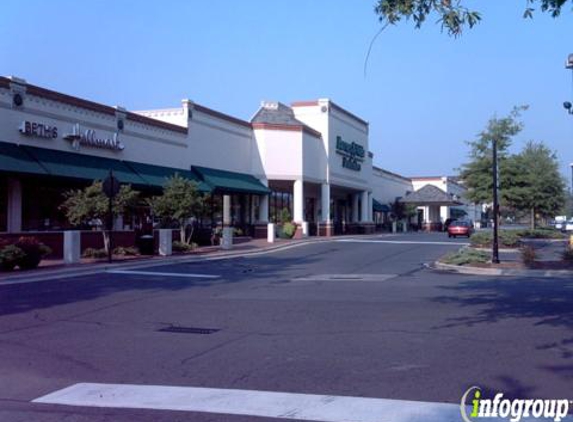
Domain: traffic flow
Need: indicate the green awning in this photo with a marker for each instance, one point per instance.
(156, 176)
(82, 166)
(230, 182)
(15, 159)
(379, 207)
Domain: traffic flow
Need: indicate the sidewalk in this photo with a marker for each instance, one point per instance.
(56, 269)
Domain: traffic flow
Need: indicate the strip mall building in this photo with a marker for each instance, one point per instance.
(311, 158)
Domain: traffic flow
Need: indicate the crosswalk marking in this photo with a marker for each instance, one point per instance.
(402, 242)
(161, 274)
(304, 407)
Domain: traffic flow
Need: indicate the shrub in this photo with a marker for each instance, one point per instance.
(284, 216)
(528, 255)
(237, 231)
(33, 250)
(466, 256)
(289, 230)
(545, 233)
(10, 256)
(183, 247)
(94, 253)
(126, 251)
(568, 254)
(507, 238)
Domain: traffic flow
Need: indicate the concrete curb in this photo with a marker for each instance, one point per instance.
(505, 272)
(88, 269)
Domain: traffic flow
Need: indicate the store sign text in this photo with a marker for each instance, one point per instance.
(89, 138)
(38, 130)
(352, 154)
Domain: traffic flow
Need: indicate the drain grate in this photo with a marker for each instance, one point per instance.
(189, 330)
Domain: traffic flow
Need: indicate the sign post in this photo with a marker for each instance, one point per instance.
(110, 188)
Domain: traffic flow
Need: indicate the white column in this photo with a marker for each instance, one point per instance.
(355, 201)
(165, 242)
(364, 207)
(298, 201)
(444, 213)
(227, 240)
(325, 202)
(14, 205)
(72, 246)
(226, 210)
(263, 209)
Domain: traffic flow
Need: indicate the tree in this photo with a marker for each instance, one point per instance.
(90, 206)
(452, 14)
(477, 174)
(402, 211)
(540, 189)
(180, 201)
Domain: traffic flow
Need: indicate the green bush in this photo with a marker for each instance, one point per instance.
(94, 253)
(33, 250)
(237, 231)
(10, 256)
(284, 216)
(466, 256)
(541, 233)
(507, 239)
(568, 254)
(126, 251)
(289, 230)
(178, 246)
(528, 255)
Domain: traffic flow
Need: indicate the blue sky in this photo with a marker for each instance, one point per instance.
(424, 93)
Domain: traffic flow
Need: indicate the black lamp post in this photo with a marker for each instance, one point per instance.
(495, 246)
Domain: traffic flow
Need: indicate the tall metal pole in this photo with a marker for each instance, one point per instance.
(495, 246)
(110, 224)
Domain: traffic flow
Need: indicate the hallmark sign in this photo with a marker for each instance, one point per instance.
(89, 138)
(352, 154)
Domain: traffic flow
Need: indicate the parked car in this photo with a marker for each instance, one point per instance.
(567, 226)
(447, 223)
(460, 228)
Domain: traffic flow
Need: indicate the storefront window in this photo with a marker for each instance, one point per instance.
(281, 202)
(41, 200)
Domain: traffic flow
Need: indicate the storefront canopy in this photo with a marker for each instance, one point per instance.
(430, 195)
(16, 160)
(379, 207)
(156, 176)
(82, 166)
(230, 182)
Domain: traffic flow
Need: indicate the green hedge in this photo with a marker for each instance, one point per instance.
(507, 239)
(467, 256)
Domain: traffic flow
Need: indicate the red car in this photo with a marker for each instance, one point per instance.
(460, 228)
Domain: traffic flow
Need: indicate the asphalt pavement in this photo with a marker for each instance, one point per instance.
(363, 319)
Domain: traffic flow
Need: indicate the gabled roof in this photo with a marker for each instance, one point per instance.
(430, 195)
(279, 117)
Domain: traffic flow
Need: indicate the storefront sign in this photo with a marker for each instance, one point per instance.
(38, 130)
(89, 138)
(352, 154)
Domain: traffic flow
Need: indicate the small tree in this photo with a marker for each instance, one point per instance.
(541, 188)
(180, 201)
(402, 211)
(91, 206)
(477, 174)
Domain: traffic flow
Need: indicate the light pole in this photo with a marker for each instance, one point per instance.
(495, 246)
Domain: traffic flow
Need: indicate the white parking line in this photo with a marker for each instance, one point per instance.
(305, 407)
(401, 242)
(158, 274)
